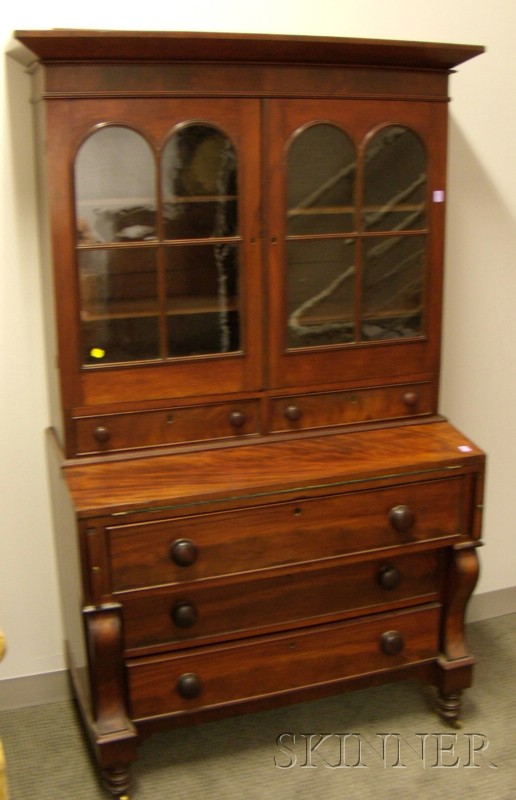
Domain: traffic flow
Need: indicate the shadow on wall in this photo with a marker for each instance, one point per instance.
(479, 320)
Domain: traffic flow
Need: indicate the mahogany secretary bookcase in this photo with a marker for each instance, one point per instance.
(256, 499)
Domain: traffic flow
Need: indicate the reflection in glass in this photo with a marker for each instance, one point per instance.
(115, 195)
(203, 304)
(320, 283)
(393, 287)
(199, 180)
(320, 181)
(394, 181)
(118, 305)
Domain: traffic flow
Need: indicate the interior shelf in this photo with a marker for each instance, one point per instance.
(175, 306)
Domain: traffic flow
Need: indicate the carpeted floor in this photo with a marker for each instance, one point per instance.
(242, 759)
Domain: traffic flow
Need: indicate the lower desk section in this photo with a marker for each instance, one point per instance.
(264, 666)
(242, 578)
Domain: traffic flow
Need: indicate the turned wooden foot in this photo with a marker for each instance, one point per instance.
(448, 707)
(117, 781)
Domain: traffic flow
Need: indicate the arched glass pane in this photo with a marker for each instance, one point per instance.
(199, 184)
(394, 181)
(320, 181)
(394, 267)
(199, 190)
(115, 196)
(115, 200)
(321, 167)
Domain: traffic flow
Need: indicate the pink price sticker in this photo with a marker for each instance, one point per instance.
(438, 196)
(465, 448)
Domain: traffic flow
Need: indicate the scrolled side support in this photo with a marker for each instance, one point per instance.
(462, 576)
(455, 665)
(111, 731)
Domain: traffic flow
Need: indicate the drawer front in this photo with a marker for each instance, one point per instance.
(302, 412)
(225, 543)
(210, 608)
(213, 676)
(112, 432)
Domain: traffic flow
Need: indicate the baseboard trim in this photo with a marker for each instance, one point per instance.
(492, 604)
(34, 690)
(54, 687)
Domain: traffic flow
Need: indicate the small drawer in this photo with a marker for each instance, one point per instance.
(276, 601)
(113, 432)
(230, 542)
(218, 675)
(328, 409)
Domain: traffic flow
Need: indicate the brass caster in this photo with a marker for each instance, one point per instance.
(457, 724)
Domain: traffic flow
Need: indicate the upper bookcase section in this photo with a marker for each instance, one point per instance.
(172, 46)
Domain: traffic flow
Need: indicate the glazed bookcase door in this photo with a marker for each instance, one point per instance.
(355, 246)
(165, 249)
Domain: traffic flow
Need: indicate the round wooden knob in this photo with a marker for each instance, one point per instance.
(391, 643)
(389, 577)
(236, 419)
(101, 434)
(184, 615)
(402, 518)
(189, 685)
(183, 552)
(293, 413)
(411, 399)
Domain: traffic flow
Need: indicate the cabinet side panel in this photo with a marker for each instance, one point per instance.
(45, 247)
(69, 570)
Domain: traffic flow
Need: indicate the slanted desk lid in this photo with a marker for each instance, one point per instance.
(270, 471)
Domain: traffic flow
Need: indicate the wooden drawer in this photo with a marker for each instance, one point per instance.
(302, 412)
(272, 601)
(216, 675)
(225, 543)
(112, 432)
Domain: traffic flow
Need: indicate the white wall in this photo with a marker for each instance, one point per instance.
(479, 359)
